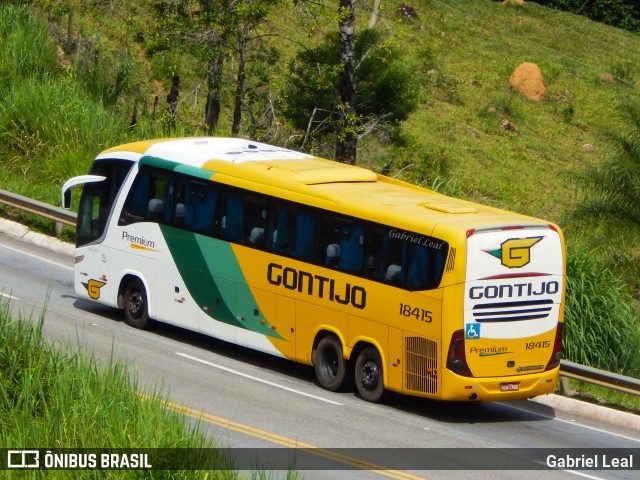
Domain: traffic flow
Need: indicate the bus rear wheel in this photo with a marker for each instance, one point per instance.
(368, 375)
(136, 311)
(329, 364)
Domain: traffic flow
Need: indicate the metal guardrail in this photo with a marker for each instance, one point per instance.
(600, 377)
(56, 214)
(567, 369)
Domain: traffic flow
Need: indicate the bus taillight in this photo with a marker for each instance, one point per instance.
(556, 354)
(456, 358)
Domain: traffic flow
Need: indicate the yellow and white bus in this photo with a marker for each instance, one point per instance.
(365, 277)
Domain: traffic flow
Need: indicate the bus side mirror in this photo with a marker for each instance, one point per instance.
(66, 199)
(72, 182)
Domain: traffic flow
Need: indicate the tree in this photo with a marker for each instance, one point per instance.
(215, 18)
(211, 29)
(387, 86)
(250, 14)
(200, 27)
(347, 139)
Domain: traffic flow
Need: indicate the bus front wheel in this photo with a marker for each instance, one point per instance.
(136, 312)
(328, 363)
(368, 375)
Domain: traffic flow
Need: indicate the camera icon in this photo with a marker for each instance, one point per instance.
(23, 459)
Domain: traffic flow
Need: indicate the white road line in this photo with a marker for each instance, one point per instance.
(250, 377)
(10, 297)
(599, 430)
(582, 474)
(61, 265)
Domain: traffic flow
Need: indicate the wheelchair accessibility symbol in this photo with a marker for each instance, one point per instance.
(471, 331)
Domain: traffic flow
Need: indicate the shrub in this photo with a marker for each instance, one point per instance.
(601, 327)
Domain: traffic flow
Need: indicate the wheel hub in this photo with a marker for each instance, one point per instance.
(136, 305)
(370, 375)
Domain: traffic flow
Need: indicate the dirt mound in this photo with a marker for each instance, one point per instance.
(527, 79)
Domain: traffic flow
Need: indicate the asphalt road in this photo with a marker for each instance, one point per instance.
(247, 399)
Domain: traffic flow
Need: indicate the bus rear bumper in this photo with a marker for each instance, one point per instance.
(515, 387)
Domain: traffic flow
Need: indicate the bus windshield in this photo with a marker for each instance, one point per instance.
(97, 199)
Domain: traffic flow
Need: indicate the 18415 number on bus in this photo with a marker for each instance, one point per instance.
(418, 313)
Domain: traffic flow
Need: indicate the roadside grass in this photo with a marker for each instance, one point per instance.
(604, 397)
(56, 126)
(29, 53)
(56, 398)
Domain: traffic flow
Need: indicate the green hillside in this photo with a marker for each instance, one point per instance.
(463, 53)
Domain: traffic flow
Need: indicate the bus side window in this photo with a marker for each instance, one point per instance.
(280, 230)
(352, 249)
(200, 206)
(178, 218)
(233, 218)
(276, 234)
(159, 205)
(427, 264)
(341, 243)
(137, 204)
(395, 261)
(178, 203)
(373, 253)
(305, 234)
(330, 240)
(292, 231)
(394, 271)
(155, 211)
(255, 220)
(386, 256)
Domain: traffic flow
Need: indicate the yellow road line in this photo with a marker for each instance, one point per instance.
(287, 442)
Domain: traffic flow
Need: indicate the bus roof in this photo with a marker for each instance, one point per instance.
(303, 173)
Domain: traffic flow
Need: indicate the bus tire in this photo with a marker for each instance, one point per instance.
(329, 364)
(368, 375)
(136, 312)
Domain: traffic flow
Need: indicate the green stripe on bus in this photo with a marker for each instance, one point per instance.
(195, 172)
(214, 279)
(177, 167)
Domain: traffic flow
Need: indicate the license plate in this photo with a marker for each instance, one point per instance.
(510, 387)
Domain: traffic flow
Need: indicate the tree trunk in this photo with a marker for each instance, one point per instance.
(136, 99)
(373, 20)
(347, 139)
(237, 110)
(214, 84)
(172, 101)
